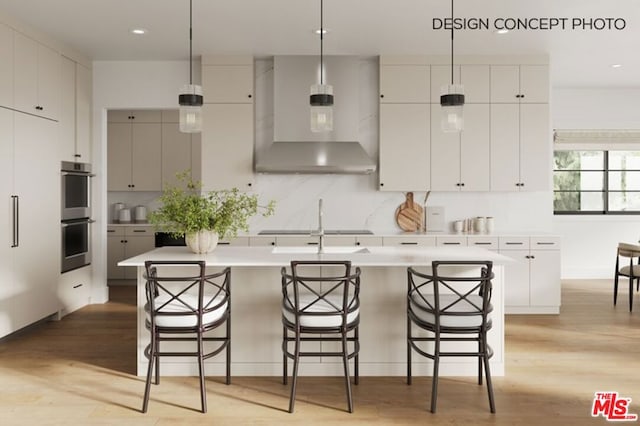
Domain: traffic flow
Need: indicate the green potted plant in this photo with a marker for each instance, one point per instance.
(204, 217)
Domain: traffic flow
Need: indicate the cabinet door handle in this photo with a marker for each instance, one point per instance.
(381, 95)
(223, 243)
(545, 243)
(139, 230)
(409, 243)
(482, 244)
(249, 96)
(111, 230)
(273, 243)
(77, 286)
(357, 243)
(451, 244)
(312, 243)
(16, 225)
(381, 184)
(513, 243)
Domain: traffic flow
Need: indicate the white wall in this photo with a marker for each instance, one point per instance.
(589, 243)
(118, 85)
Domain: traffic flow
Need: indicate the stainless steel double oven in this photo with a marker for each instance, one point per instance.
(76, 215)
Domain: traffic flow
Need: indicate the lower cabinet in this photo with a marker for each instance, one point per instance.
(533, 281)
(74, 290)
(124, 242)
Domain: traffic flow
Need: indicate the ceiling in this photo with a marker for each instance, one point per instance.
(579, 58)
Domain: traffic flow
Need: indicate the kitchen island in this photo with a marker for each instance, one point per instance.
(256, 328)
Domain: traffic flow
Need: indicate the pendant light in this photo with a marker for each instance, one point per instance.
(321, 99)
(191, 98)
(452, 98)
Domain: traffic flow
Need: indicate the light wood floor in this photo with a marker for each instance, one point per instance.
(80, 371)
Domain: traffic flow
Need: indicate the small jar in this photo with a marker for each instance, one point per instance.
(490, 224)
(479, 224)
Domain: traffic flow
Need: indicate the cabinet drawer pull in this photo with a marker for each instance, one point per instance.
(223, 243)
(77, 286)
(409, 243)
(310, 243)
(545, 243)
(513, 244)
(451, 244)
(111, 230)
(139, 230)
(482, 244)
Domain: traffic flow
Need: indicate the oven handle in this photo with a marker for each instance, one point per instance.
(78, 174)
(76, 222)
(16, 214)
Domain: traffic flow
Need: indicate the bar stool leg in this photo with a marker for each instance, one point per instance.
(294, 381)
(203, 391)
(345, 362)
(434, 381)
(285, 349)
(147, 386)
(228, 379)
(485, 358)
(356, 362)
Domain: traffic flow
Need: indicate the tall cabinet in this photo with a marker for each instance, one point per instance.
(228, 122)
(520, 129)
(30, 253)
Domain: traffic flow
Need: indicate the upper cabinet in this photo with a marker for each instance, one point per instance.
(75, 112)
(36, 77)
(179, 150)
(6, 66)
(134, 151)
(520, 84)
(404, 84)
(227, 140)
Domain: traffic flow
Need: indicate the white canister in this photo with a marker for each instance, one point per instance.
(458, 225)
(116, 211)
(490, 225)
(479, 224)
(140, 214)
(124, 216)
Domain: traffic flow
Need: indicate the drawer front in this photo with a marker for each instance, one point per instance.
(514, 243)
(115, 231)
(400, 241)
(448, 241)
(133, 231)
(489, 243)
(339, 240)
(368, 241)
(545, 243)
(288, 241)
(238, 241)
(262, 241)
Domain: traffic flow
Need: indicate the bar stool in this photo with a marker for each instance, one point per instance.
(187, 303)
(452, 304)
(320, 303)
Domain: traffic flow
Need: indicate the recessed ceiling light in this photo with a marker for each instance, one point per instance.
(138, 31)
(502, 31)
(616, 66)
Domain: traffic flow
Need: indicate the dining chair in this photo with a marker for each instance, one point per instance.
(631, 271)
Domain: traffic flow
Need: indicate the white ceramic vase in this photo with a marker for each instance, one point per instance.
(202, 241)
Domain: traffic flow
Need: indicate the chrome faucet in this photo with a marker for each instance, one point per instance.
(320, 231)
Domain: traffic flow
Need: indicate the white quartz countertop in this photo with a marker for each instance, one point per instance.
(282, 256)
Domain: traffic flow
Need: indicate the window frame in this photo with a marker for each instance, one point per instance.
(605, 191)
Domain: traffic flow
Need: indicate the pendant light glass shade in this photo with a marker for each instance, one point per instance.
(190, 98)
(191, 108)
(321, 101)
(451, 103)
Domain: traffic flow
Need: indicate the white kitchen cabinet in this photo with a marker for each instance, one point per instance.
(74, 290)
(520, 147)
(405, 84)
(405, 147)
(36, 77)
(6, 66)
(519, 84)
(227, 137)
(227, 146)
(241, 241)
(134, 151)
(124, 242)
(533, 280)
(75, 112)
(461, 161)
(30, 262)
(262, 240)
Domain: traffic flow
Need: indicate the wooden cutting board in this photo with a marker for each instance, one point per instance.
(409, 215)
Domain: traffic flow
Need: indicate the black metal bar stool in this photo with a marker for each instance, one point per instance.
(320, 303)
(452, 304)
(183, 309)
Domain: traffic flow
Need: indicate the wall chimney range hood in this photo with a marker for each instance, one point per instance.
(295, 148)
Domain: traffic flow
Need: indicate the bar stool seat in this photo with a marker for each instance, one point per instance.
(185, 307)
(326, 306)
(453, 317)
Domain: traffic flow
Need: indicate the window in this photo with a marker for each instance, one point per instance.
(596, 182)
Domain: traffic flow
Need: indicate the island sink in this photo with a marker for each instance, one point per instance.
(325, 250)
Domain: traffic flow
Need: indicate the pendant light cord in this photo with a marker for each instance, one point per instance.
(452, 42)
(321, 43)
(190, 42)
